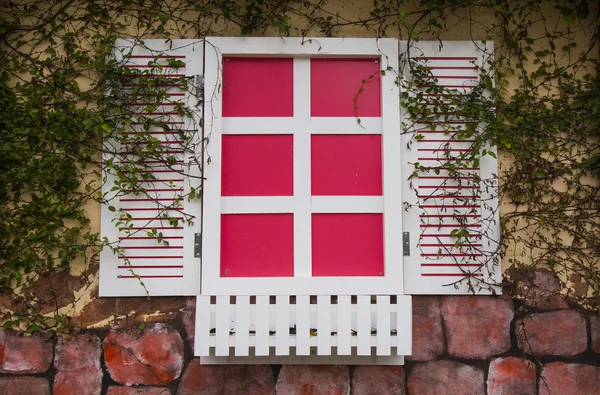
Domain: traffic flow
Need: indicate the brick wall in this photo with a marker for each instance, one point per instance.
(462, 345)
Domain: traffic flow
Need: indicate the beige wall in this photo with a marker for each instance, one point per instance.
(77, 290)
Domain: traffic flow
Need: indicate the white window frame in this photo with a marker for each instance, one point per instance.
(302, 204)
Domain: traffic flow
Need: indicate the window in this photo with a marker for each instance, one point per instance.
(301, 195)
(310, 216)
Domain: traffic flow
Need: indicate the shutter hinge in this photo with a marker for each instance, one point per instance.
(198, 245)
(406, 243)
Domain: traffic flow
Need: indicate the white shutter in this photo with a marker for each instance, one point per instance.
(164, 268)
(436, 204)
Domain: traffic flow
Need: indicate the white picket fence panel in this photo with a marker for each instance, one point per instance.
(303, 328)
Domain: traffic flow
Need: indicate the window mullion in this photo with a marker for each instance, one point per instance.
(302, 184)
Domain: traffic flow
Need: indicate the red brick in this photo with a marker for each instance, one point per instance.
(541, 289)
(428, 334)
(569, 379)
(227, 379)
(151, 357)
(444, 378)
(21, 355)
(80, 352)
(114, 390)
(377, 380)
(315, 379)
(79, 382)
(509, 376)
(595, 329)
(477, 327)
(560, 333)
(24, 385)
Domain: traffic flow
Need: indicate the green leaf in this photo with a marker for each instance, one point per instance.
(570, 19)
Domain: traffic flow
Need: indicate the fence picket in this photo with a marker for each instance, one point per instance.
(242, 325)
(222, 326)
(303, 325)
(323, 325)
(363, 325)
(344, 328)
(383, 325)
(261, 339)
(282, 325)
(404, 328)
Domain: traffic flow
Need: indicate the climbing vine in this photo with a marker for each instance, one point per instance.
(64, 94)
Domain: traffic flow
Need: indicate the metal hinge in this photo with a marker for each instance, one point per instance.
(406, 243)
(198, 245)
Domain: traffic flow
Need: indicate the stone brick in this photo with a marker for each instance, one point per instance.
(444, 378)
(377, 380)
(24, 385)
(477, 327)
(569, 379)
(595, 329)
(152, 357)
(559, 333)
(79, 382)
(541, 289)
(226, 379)
(510, 376)
(315, 379)
(188, 318)
(80, 352)
(428, 334)
(114, 390)
(22, 355)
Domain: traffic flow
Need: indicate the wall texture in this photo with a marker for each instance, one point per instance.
(461, 345)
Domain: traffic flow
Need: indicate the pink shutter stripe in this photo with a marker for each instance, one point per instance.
(258, 87)
(257, 165)
(335, 82)
(346, 165)
(257, 245)
(347, 245)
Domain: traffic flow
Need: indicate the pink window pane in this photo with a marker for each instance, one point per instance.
(347, 244)
(258, 87)
(335, 82)
(257, 245)
(257, 165)
(343, 165)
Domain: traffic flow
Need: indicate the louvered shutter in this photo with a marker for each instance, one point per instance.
(438, 205)
(166, 266)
